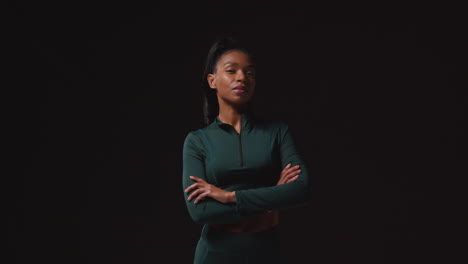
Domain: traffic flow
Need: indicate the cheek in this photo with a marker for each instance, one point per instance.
(224, 82)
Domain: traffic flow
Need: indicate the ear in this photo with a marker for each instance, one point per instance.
(211, 80)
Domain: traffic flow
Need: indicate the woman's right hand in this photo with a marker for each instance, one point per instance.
(289, 174)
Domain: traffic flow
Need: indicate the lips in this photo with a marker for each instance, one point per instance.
(240, 89)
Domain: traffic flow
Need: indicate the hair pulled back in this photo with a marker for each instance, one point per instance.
(218, 48)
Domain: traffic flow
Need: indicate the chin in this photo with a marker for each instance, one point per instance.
(242, 103)
(238, 103)
(244, 98)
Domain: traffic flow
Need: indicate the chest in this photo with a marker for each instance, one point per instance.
(246, 159)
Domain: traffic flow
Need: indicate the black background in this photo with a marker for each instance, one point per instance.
(105, 93)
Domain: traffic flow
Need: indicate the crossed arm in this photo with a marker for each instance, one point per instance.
(204, 189)
(230, 206)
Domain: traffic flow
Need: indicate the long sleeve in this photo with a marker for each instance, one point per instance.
(208, 210)
(278, 197)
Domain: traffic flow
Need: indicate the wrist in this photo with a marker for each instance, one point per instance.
(231, 197)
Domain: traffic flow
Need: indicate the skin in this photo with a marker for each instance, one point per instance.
(235, 68)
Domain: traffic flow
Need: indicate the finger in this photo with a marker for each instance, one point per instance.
(283, 178)
(293, 168)
(196, 179)
(191, 187)
(201, 196)
(286, 171)
(195, 193)
(292, 179)
(292, 174)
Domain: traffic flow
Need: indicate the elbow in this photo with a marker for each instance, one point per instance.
(198, 218)
(198, 221)
(201, 218)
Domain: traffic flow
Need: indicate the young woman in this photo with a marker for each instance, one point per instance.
(239, 171)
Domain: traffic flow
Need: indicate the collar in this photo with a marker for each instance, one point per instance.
(247, 122)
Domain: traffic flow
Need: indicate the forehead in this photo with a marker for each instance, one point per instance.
(234, 57)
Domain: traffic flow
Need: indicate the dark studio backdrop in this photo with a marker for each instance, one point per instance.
(104, 95)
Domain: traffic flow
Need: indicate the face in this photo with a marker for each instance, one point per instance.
(234, 78)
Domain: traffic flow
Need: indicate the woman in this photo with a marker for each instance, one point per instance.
(238, 171)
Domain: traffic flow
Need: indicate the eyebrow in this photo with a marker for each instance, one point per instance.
(234, 63)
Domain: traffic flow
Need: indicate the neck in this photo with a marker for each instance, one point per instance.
(230, 114)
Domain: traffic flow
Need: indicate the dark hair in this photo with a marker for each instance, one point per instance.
(210, 100)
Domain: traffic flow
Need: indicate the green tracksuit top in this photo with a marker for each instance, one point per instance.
(249, 162)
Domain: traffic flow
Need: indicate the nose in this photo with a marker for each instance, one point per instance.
(240, 76)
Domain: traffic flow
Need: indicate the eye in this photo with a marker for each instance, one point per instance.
(250, 73)
(231, 71)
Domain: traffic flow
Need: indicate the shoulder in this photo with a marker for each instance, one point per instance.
(195, 135)
(274, 125)
(193, 144)
(193, 138)
(275, 129)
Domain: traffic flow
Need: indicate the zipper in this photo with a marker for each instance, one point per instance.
(240, 150)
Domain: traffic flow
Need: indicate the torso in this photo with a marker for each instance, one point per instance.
(242, 158)
(260, 223)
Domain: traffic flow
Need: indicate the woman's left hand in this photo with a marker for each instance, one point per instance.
(204, 189)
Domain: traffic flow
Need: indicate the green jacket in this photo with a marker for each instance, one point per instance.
(249, 163)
